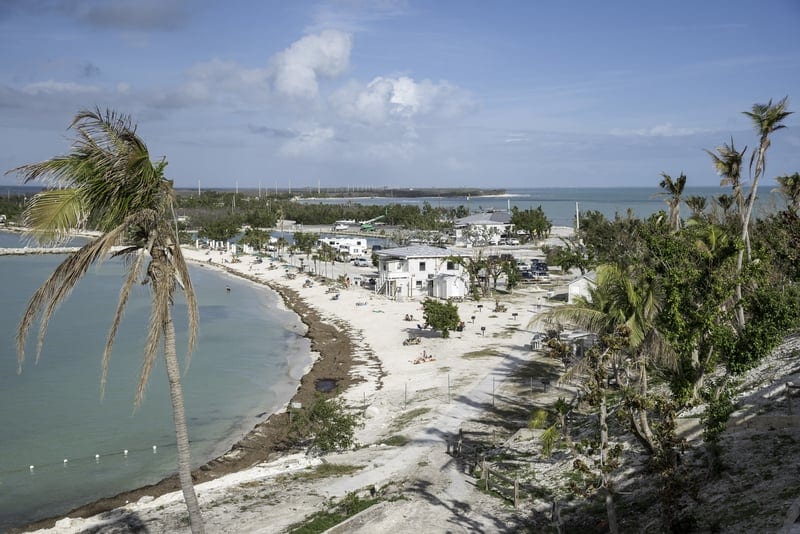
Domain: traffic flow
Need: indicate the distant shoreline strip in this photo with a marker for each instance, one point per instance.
(22, 251)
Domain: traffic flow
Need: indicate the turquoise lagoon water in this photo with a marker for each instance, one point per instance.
(248, 362)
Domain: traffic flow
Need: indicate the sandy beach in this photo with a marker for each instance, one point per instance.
(424, 392)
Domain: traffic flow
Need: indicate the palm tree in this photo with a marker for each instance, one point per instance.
(789, 187)
(726, 203)
(673, 189)
(622, 299)
(109, 183)
(767, 118)
(696, 203)
(728, 164)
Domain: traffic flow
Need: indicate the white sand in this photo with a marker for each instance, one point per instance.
(452, 389)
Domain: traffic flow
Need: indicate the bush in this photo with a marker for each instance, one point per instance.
(326, 425)
(441, 315)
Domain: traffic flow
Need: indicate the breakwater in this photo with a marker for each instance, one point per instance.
(21, 251)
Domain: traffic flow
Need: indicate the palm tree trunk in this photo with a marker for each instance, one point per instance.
(181, 432)
(611, 509)
(751, 200)
(644, 424)
(700, 375)
(746, 231)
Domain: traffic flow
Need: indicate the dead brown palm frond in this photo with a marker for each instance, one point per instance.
(133, 274)
(161, 284)
(185, 282)
(658, 351)
(58, 286)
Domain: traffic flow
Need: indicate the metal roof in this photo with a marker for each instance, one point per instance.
(419, 251)
(491, 217)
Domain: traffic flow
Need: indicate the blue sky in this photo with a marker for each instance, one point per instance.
(405, 93)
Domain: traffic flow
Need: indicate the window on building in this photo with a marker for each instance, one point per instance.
(419, 284)
(451, 266)
(421, 266)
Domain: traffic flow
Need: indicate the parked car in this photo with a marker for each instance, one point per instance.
(512, 241)
(362, 262)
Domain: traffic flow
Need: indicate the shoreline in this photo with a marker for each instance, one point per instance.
(333, 346)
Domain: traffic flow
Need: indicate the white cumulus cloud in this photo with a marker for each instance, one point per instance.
(386, 98)
(296, 70)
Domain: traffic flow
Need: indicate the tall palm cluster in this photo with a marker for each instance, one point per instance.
(109, 184)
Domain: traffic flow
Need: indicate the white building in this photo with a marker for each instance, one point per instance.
(352, 246)
(580, 287)
(421, 270)
(483, 228)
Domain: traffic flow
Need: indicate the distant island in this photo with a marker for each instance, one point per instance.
(359, 192)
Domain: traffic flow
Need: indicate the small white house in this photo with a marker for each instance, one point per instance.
(447, 286)
(420, 270)
(580, 287)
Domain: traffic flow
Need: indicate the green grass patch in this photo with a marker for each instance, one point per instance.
(319, 522)
(506, 332)
(325, 470)
(397, 440)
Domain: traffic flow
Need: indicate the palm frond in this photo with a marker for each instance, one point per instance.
(133, 274)
(159, 314)
(578, 315)
(51, 215)
(58, 286)
(182, 273)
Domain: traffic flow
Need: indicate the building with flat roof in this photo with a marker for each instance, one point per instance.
(421, 270)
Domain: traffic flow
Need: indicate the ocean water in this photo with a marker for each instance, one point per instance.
(559, 203)
(248, 362)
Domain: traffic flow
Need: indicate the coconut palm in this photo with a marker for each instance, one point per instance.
(108, 183)
(728, 164)
(623, 300)
(673, 189)
(696, 203)
(767, 118)
(726, 203)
